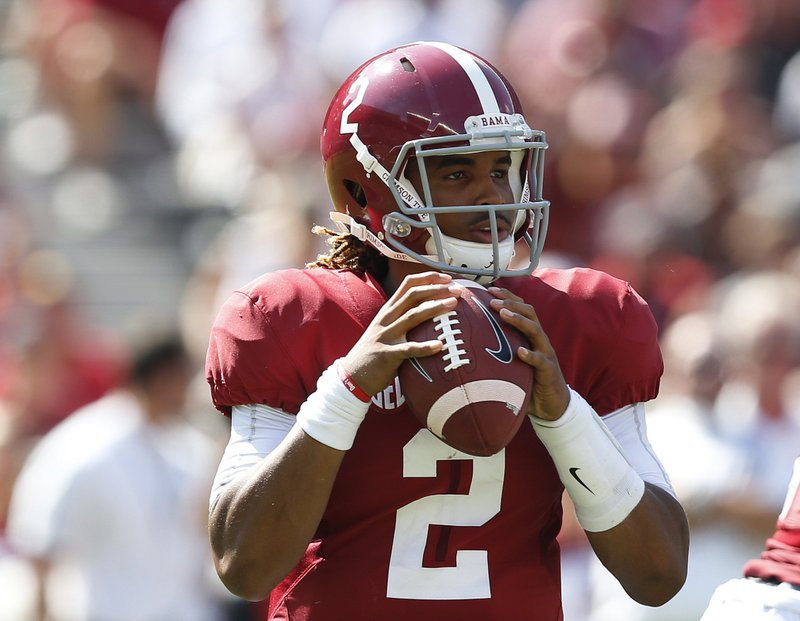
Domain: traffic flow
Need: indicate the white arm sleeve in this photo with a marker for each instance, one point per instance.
(629, 428)
(256, 430)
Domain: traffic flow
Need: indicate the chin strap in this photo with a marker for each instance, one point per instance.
(346, 224)
(470, 253)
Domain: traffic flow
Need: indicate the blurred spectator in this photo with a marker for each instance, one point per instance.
(756, 323)
(387, 23)
(591, 74)
(110, 507)
(63, 365)
(664, 230)
(52, 361)
(84, 154)
(787, 100)
(240, 89)
(762, 230)
(82, 49)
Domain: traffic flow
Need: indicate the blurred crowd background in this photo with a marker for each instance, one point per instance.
(155, 154)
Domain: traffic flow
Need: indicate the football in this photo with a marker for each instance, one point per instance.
(474, 393)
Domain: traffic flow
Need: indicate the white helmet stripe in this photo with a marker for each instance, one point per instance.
(475, 74)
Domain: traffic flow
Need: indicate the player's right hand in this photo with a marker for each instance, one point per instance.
(551, 395)
(374, 359)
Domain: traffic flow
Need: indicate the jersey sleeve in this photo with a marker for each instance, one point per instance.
(273, 338)
(247, 361)
(603, 332)
(633, 362)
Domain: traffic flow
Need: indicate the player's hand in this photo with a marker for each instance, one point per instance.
(374, 359)
(550, 396)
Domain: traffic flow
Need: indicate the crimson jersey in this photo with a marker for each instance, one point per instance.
(780, 561)
(413, 528)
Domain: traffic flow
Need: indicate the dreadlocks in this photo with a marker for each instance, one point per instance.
(350, 253)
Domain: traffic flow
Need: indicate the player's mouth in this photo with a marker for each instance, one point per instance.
(481, 231)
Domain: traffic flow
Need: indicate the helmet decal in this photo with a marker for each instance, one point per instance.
(476, 76)
(358, 87)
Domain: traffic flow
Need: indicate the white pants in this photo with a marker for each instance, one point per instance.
(743, 599)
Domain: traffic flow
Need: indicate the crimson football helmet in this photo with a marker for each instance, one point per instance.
(421, 100)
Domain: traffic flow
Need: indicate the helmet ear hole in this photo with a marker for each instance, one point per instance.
(408, 66)
(356, 191)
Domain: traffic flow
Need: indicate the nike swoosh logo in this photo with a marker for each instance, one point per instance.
(503, 352)
(574, 473)
(415, 363)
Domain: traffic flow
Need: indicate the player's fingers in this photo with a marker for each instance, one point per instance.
(412, 349)
(504, 294)
(523, 318)
(538, 360)
(550, 394)
(420, 280)
(515, 305)
(417, 297)
(425, 310)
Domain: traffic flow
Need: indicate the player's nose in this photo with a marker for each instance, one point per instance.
(491, 191)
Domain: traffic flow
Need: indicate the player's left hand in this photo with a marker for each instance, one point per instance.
(550, 396)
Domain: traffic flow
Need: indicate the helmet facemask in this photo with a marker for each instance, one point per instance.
(483, 262)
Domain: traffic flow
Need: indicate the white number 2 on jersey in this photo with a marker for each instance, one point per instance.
(469, 578)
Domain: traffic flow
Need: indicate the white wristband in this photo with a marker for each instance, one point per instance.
(601, 483)
(332, 414)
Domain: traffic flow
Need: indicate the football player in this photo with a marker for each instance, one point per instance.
(330, 499)
(770, 586)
